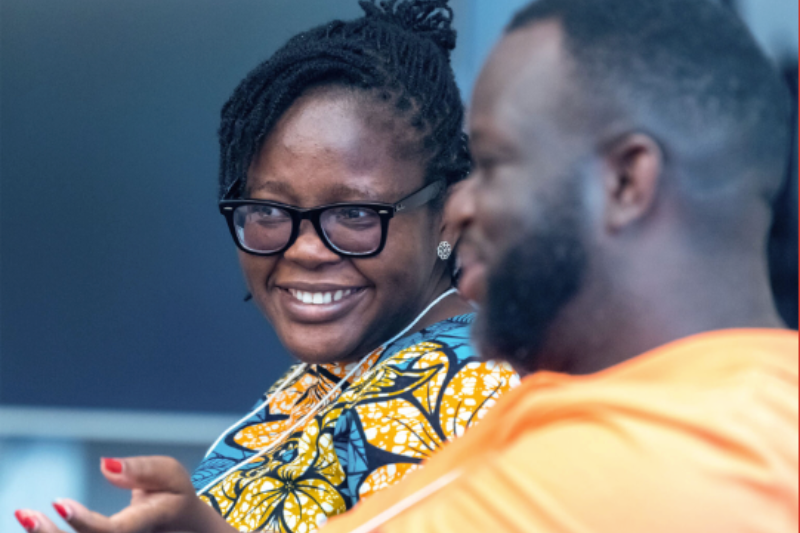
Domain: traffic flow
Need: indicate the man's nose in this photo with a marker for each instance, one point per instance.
(460, 207)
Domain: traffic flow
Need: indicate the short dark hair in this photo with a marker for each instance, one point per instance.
(398, 54)
(688, 68)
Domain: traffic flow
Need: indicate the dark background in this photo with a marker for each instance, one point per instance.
(119, 283)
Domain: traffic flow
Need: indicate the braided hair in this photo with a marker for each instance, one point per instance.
(398, 53)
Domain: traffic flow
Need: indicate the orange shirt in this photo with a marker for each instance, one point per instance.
(699, 435)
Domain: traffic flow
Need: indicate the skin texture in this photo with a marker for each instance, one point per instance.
(330, 146)
(660, 264)
(324, 150)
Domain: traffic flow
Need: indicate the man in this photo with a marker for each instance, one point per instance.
(627, 152)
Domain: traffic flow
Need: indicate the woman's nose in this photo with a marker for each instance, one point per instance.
(308, 249)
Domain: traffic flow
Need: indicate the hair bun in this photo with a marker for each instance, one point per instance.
(431, 19)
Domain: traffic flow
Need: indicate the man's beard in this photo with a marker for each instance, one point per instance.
(528, 286)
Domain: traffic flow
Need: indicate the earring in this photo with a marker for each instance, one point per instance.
(444, 250)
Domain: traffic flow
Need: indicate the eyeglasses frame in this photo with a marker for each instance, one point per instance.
(418, 198)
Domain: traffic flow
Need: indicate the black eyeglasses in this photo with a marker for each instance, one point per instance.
(263, 227)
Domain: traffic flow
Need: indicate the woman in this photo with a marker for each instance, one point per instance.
(336, 156)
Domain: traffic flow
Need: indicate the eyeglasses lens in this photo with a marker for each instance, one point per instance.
(262, 228)
(355, 230)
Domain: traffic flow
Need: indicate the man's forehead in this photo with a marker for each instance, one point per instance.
(524, 71)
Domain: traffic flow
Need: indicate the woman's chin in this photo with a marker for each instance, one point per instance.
(309, 344)
(323, 333)
(315, 357)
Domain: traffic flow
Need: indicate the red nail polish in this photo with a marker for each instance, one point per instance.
(25, 521)
(61, 510)
(112, 465)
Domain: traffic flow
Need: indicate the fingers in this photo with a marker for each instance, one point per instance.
(82, 519)
(163, 498)
(167, 512)
(152, 474)
(133, 519)
(35, 522)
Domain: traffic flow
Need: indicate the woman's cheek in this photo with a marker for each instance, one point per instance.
(257, 271)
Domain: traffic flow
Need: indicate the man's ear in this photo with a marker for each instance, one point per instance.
(634, 164)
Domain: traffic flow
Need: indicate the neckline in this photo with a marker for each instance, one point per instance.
(402, 343)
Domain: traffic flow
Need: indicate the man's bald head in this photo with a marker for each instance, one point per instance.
(687, 72)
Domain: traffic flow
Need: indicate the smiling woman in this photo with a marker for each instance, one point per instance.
(338, 220)
(336, 156)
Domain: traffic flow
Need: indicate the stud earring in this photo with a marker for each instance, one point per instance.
(444, 250)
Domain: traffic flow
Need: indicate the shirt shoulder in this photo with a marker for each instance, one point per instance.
(700, 435)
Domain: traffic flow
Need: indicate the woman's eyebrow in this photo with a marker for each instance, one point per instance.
(275, 187)
(340, 190)
(335, 193)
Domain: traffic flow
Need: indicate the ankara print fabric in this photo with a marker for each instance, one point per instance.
(400, 406)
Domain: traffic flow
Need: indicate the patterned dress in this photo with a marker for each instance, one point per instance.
(398, 408)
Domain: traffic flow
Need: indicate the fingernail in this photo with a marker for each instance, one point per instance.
(25, 521)
(112, 465)
(63, 510)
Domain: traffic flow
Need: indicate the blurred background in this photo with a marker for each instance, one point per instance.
(122, 325)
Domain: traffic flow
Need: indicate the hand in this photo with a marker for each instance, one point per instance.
(162, 501)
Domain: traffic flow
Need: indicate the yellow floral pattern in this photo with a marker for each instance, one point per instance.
(399, 408)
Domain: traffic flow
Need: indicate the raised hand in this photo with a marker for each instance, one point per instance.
(162, 501)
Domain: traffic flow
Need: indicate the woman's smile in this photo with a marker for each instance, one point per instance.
(310, 303)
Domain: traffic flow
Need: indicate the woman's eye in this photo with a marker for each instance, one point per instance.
(272, 212)
(355, 217)
(268, 215)
(353, 213)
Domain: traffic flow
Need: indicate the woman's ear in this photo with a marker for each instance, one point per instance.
(634, 165)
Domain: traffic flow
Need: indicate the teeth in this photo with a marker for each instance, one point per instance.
(320, 298)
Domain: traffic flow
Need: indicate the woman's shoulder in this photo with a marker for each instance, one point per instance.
(446, 348)
(452, 334)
